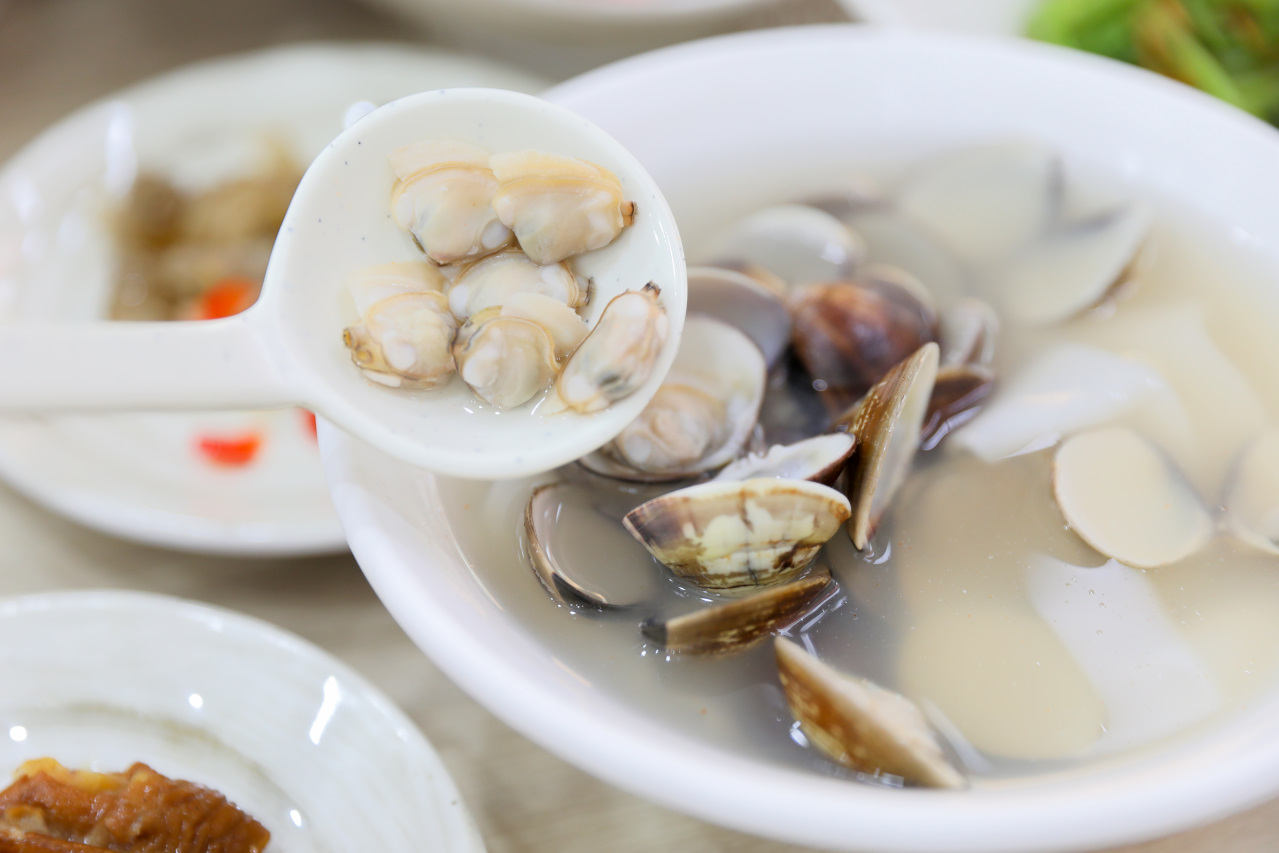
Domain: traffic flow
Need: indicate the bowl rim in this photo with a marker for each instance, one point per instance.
(1199, 779)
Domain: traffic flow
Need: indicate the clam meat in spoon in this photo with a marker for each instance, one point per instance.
(443, 196)
(558, 206)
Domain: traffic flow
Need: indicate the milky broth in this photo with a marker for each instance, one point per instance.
(1027, 648)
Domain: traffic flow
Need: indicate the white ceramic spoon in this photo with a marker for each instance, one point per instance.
(287, 349)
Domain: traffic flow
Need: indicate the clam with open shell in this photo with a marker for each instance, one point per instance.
(700, 418)
(742, 534)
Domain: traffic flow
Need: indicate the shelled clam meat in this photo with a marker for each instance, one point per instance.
(496, 300)
(1044, 415)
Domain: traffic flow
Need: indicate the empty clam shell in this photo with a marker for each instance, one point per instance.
(886, 425)
(820, 459)
(1124, 498)
(581, 557)
(737, 625)
(558, 206)
(1252, 499)
(739, 534)
(859, 724)
(958, 393)
(1066, 388)
(797, 242)
(618, 355)
(736, 298)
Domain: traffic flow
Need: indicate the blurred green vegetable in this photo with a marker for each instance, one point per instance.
(1229, 48)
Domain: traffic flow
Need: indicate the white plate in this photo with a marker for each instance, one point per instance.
(100, 680)
(996, 17)
(142, 476)
(724, 125)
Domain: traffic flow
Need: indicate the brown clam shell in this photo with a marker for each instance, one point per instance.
(886, 425)
(848, 334)
(739, 534)
(737, 625)
(859, 724)
(958, 394)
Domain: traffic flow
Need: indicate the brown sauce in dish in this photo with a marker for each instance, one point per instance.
(50, 809)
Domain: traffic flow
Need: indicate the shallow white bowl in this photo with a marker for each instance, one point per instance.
(723, 125)
(100, 680)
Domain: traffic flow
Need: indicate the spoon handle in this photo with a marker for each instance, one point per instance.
(210, 364)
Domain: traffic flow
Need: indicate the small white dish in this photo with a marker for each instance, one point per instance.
(100, 680)
(425, 542)
(144, 477)
(993, 17)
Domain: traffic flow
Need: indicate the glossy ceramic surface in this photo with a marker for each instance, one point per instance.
(899, 96)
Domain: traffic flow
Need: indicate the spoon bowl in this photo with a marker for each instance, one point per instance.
(287, 348)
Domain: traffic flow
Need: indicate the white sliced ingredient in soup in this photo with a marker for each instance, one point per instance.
(1252, 500)
(985, 203)
(1066, 388)
(1003, 677)
(1124, 498)
(1073, 269)
(1113, 622)
(1215, 410)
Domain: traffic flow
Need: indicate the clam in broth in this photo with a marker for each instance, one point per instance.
(1025, 647)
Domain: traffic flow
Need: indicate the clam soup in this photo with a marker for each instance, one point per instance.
(1028, 648)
